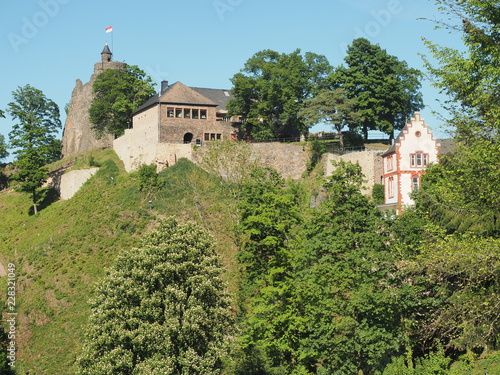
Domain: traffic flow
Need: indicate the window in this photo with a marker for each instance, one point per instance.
(418, 133)
(212, 136)
(390, 187)
(414, 183)
(390, 163)
(187, 113)
(419, 160)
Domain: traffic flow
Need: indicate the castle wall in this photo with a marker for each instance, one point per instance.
(168, 154)
(289, 159)
(139, 144)
(370, 162)
(72, 181)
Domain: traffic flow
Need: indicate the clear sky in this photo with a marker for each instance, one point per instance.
(50, 43)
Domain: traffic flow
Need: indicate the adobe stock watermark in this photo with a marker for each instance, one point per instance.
(30, 26)
(156, 73)
(223, 6)
(11, 313)
(381, 18)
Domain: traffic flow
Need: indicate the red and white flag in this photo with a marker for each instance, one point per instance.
(109, 29)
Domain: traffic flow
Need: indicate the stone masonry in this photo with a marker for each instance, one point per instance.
(370, 162)
(78, 135)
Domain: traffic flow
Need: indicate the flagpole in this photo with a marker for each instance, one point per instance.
(110, 30)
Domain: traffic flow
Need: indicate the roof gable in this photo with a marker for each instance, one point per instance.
(408, 134)
(180, 93)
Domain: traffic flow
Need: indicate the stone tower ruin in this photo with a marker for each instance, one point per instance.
(78, 135)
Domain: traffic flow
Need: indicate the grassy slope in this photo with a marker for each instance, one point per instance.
(62, 251)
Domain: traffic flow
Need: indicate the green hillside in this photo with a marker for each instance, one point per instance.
(62, 251)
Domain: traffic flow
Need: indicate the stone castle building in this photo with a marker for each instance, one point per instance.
(167, 126)
(78, 135)
(178, 118)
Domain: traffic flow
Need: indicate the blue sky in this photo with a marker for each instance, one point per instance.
(50, 43)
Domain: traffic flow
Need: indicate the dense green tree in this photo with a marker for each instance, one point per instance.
(149, 181)
(271, 88)
(458, 279)
(347, 285)
(334, 108)
(161, 309)
(117, 94)
(462, 192)
(3, 148)
(469, 76)
(325, 300)
(269, 214)
(385, 88)
(33, 137)
(268, 211)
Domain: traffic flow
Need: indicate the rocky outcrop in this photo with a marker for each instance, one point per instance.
(78, 135)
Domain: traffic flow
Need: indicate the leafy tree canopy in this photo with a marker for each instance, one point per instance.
(271, 88)
(470, 76)
(33, 137)
(385, 88)
(117, 94)
(3, 148)
(161, 309)
(459, 275)
(333, 107)
(462, 192)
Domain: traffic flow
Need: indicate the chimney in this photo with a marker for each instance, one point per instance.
(164, 87)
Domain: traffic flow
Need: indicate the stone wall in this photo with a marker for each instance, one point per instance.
(289, 159)
(138, 145)
(72, 181)
(370, 162)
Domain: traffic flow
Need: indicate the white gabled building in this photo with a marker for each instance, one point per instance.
(405, 162)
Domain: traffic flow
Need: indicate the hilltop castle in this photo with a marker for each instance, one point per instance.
(178, 117)
(78, 135)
